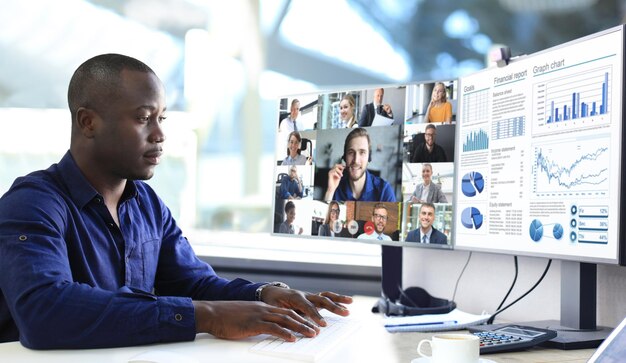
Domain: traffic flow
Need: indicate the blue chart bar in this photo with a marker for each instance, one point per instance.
(577, 109)
(512, 127)
(476, 140)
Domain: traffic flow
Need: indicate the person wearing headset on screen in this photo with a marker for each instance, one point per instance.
(346, 112)
(426, 233)
(379, 219)
(332, 215)
(375, 107)
(427, 191)
(291, 186)
(439, 109)
(353, 181)
(294, 156)
(428, 151)
(290, 216)
(91, 257)
(290, 123)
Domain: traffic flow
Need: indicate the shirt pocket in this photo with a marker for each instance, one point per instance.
(149, 257)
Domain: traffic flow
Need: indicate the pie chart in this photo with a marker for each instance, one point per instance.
(472, 184)
(557, 231)
(471, 218)
(536, 230)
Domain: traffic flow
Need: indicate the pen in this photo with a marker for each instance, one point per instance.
(422, 324)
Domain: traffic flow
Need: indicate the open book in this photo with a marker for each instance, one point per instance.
(454, 320)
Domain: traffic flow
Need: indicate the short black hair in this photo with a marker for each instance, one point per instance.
(289, 206)
(97, 79)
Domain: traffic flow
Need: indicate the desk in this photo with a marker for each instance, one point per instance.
(372, 343)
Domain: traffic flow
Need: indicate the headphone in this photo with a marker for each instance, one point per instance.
(414, 301)
(349, 137)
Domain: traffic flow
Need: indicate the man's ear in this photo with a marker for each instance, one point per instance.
(86, 121)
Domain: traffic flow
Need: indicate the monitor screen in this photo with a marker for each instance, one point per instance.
(373, 164)
(538, 163)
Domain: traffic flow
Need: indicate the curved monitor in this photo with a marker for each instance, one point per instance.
(539, 157)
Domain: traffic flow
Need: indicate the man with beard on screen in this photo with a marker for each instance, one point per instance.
(353, 181)
(379, 220)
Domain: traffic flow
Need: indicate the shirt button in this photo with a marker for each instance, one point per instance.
(178, 317)
(22, 238)
(98, 200)
(111, 225)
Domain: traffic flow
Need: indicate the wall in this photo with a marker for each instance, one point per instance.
(488, 277)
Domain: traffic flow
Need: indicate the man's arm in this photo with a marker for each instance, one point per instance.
(363, 117)
(51, 309)
(284, 188)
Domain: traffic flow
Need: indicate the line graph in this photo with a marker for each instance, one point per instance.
(572, 168)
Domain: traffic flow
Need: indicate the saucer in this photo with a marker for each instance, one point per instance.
(427, 360)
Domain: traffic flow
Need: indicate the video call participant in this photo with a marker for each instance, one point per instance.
(357, 183)
(91, 257)
(379, 219)
(287, 226)
(426, 233)
(290, 123)
(375, 107)
(291, 186)
(439, 109)
(427, 191)
(428, 151)
(294, 156)
(346, 112)
(332, 215)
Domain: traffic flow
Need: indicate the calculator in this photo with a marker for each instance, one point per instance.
(510, 337)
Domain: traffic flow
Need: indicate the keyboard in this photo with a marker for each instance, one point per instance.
(310, 349)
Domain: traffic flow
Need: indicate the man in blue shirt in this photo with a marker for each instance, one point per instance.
(91, 257)
(291, 186)
(357, 183)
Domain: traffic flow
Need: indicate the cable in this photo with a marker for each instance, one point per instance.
(469, 257)
(527, 292)
(490, 321)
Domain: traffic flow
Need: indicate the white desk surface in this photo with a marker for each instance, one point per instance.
(371, 343)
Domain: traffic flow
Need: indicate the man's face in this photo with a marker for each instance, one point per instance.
(427, 173)
(293, 173)
(378, 96)
(380, 219)
(128, 136)
(291, 215)
(427, 217)
(295, 109)
(357, 154)
(429, 136)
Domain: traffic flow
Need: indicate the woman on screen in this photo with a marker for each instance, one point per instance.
(332, 215)
(294, 157)
(427, 191)
(346, 112)
(439, 109)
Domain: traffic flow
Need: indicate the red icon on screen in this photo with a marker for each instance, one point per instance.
(368, 227)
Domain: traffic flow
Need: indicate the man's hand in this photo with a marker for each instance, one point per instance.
(334, 177)
(305, 303)
(241, 319)
(387, 109)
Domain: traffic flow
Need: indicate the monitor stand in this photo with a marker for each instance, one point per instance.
(577, 328)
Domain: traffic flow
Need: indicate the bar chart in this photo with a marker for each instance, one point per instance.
(575, 101)
(475, 140)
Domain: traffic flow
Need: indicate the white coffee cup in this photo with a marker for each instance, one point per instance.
(452, 348)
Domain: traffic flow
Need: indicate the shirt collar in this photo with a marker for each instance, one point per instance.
(79, 188)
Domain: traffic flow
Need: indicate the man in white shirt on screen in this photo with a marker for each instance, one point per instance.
(290, 123)
(379, 220)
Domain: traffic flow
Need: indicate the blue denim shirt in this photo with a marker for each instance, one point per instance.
(70, 278)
